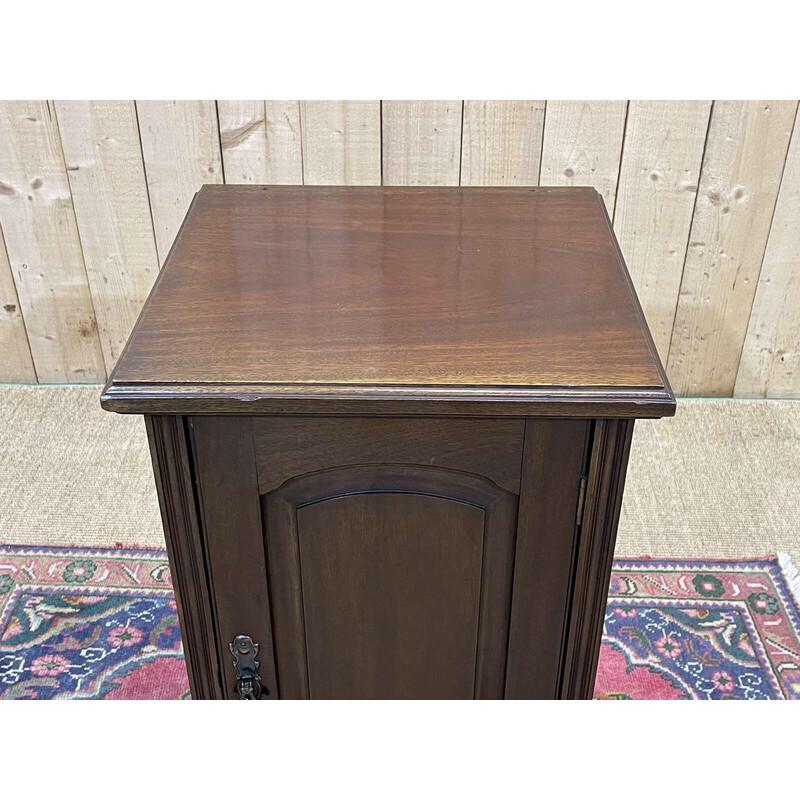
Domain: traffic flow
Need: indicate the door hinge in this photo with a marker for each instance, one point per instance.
(581, 500)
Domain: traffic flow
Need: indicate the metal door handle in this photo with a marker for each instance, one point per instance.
(248, 681)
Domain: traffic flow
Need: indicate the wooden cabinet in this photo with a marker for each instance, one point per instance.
(423, 502)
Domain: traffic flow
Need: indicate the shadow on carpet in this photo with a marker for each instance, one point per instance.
(79, 623)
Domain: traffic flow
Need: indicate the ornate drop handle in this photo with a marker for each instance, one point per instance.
(248, 681)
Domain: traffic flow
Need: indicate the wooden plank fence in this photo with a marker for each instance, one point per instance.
(704, 198)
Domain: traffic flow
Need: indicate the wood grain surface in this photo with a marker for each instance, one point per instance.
(289, 446)
(421, 142)
(16, 362)
(43, 248)
(658, 180)
(181, 149)
(665, 175)
(742, 171)
(770, 363)
(482, 290)
(502, 142)
(390, 581)
(109, 191)
(583, 145)
(260, 141)
(341, 142)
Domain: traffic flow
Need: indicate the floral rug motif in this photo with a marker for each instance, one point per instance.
(88, 624)
(693, 630)
(79, 623)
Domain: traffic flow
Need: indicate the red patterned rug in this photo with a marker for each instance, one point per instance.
(701, 630)
(102, 624)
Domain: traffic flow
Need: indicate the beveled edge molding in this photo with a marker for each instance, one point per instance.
(626, 275)
(358, 399)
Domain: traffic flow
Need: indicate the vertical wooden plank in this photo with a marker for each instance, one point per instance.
(261, 141)
(770, 364)
(180, 144)
(552, 465)
(502, 142)
(341, 142)
(243, 137)
(234, 535)
(16, 364)
(608, 464)
(655, 198)
(583, 145)
(106, 175)
(170, 451)
(421, 142)
(44, 250)
(741, 174)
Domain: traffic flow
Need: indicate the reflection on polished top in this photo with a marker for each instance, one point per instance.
(348, 290)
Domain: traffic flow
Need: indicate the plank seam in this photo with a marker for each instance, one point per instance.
(219, 140)
(461, 144)
(541, 145)
(51, 108)
(146, 181)
(19, 305)
(764, 254)
(619, 161)
(301, 118)
(689, 231)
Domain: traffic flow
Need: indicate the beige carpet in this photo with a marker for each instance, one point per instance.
(71, 473)
(720, 479)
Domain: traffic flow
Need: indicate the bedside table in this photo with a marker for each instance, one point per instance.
(390, 429)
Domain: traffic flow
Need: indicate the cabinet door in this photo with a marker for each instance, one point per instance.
(390, 558)
(390, 581)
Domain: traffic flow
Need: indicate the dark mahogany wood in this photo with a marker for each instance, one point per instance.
(172, 465)
(231, 514)
(286, 447)
(611, 445)
(391, 582)
(365, 300)
(390, 429)
(555, 461)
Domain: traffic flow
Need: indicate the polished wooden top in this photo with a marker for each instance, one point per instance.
(273, 297)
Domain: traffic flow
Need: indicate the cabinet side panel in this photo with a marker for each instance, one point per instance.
(169, 449)
(609, 460)
(552, 464)
(229, 501)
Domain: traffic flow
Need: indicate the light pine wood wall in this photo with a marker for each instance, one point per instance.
(704, 197)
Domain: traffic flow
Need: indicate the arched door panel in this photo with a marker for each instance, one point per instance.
(390, 581)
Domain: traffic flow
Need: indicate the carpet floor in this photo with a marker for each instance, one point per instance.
(79, 623)
(719, 480)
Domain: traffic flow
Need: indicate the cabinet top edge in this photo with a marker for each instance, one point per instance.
(371, 400)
